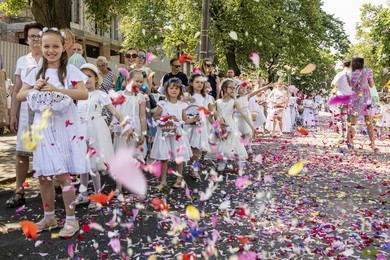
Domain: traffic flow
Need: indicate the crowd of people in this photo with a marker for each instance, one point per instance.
(70, 108)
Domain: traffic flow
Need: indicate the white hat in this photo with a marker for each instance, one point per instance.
(92, 67)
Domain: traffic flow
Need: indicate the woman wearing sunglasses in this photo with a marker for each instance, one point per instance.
(131, 58)
(140, 64)
(207, 67)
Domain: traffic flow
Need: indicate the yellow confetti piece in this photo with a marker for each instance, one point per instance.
(192, 213)
(309, 68)
(54, 235)
(297, 168)
(315, 214)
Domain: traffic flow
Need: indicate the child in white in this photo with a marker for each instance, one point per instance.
(230, 147)
(96, 131)
(278, 98)
(62, 150)
(308, 112)
(243, 98)
(198, 133)
(172, 145)
(292, 103)
(384, 121)
(258, 109)
(134, 108)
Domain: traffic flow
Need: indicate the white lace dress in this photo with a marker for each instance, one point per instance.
(63, 147)
(229, 147)
(308, 112)
(96, 130)
(197, 134)
(385, 112)
(171, 147)
(130, 108)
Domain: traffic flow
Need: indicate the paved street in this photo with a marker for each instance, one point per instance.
(338, 206)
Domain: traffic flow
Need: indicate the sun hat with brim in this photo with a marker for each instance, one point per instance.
(92, 67)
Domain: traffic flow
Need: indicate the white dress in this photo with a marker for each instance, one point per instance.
(24, 65)
(292, 103)
(385, 112)
(286, 120)
(171, 147)
(254, 107)
(63, 147)
(231, 146)
(197, 134)
(130, 108)
(96, 130)
(241, 124)
(308, 112)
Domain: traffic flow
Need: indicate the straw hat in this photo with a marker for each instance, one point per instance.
(92, 67)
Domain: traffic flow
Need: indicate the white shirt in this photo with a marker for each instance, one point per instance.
(25, 64)
(340, 81)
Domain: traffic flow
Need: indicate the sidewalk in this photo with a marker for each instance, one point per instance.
(7, 158)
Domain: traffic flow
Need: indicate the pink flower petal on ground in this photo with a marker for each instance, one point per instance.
(135, 213)
(214, 220)
(154, 168)
(188, 195)
(115, 245)
(126, 170)
(240, 181)
(70, 250)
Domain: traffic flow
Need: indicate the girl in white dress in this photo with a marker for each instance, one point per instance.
(258, 109)
(134, 108)
(384, 120)
(198, 132)
(308, 112)
(171, 142)
(292, 103)
(243, 98)
(230, 147)
(97, 134)
(279, 100)
(62, 149)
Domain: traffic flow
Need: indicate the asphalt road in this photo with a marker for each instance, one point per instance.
(338, 206)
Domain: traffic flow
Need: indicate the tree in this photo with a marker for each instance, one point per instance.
(51, 13)
(373, 40)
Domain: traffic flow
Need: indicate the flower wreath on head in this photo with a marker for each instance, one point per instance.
(45, 29)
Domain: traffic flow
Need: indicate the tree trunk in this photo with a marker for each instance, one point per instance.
(231, 61)
(52, 13)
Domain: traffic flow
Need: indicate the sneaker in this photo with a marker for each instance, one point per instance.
(92, 205)
(46, 225)
(81, 199)
(221, 167)
(69, 229)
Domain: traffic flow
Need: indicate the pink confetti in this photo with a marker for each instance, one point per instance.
(70, 250)
(255, 58)
(240, 181)
(115, 245)
(125, 169)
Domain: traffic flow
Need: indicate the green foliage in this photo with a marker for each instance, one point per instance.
(373, 34)
(14, 7)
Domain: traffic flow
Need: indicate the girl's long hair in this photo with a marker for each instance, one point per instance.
(191, 88)
(173, 82)
(61, 71)
(224, 85)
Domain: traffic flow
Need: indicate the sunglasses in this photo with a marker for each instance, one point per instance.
(209, 65)
(176, 66)
(142, 56)
(130, 55)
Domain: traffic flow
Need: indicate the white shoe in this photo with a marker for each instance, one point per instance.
(81, 199)
(92, 205)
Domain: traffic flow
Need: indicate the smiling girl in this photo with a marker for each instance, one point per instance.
(61, 151)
